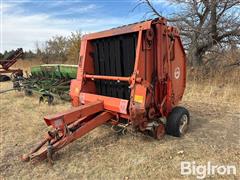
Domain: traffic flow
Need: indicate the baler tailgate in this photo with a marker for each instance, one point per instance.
(69, 126)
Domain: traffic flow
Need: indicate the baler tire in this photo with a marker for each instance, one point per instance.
(178, 116)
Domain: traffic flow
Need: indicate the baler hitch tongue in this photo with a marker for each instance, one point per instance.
(69, 126)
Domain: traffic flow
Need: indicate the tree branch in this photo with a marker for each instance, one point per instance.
(153, 9)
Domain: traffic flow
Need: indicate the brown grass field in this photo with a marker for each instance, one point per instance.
(103, 154)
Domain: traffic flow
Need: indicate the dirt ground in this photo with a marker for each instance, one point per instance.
(102, 154)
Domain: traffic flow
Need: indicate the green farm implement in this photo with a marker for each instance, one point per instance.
(48, 81)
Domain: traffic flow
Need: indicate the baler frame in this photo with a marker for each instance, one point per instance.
(133, 80)
(156, 88)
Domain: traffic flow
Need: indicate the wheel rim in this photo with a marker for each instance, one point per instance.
(160, 131)
(183, 124)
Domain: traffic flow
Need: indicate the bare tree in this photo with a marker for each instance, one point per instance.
(74, 43)
(204, 25)
(60, 49)
(53, 50)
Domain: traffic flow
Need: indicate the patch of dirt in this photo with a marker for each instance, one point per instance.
(103, 154)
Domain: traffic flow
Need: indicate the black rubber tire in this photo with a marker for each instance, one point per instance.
(50, 99)
(174, 120)
(4, 78)
(28, 92)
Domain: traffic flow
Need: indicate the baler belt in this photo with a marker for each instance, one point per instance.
(114, 56)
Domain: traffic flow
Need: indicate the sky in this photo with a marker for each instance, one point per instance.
(26, 22)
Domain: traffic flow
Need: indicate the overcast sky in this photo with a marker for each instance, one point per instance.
(25, 22)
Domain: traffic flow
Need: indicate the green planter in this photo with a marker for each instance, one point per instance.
(55, 71)
(36, 71)
(69, 71)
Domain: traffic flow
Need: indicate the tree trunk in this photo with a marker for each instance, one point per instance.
(194, 57)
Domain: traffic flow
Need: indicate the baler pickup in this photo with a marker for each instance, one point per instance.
(69, 126)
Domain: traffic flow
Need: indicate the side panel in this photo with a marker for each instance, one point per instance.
(74, 92)
(178, 66)
(161, 62)
(85, 66)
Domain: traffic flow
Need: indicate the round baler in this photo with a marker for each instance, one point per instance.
(130, 76)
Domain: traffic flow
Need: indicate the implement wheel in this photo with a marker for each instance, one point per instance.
(28, 92)
(46, 98)
(50, 100)
(4, 78)
(178, 122)
(159, 131)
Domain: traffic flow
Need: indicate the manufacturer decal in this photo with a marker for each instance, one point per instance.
(177, 73)
(58, 123)
(138, 99)
(82, 98)
(123, 106)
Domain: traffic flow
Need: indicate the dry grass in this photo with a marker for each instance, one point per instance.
(213, 93)
(218, 71)
(102, 154)
(26, 64)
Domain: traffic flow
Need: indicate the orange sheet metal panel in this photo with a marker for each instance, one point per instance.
(121, 30)
(109, 103)
(140, 95)
(74, 114)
